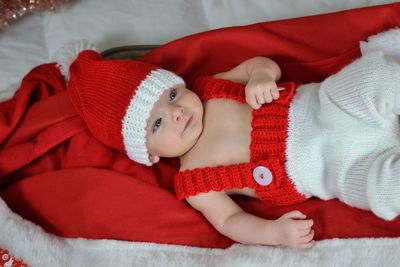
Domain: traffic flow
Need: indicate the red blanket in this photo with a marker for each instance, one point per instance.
(54, 173)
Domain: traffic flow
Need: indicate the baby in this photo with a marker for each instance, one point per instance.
(238, 132)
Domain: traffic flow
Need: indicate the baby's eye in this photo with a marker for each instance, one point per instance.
(172, 95)
(157, 124)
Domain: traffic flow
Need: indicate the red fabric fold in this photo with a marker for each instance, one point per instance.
(53, 172)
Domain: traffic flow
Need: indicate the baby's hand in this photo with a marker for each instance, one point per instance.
(261, 89)
(293, 230)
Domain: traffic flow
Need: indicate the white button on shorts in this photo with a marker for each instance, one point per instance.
(262, 175)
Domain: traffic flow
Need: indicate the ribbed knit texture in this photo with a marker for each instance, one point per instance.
(139, 109)
(343, 139)
(267, 148)
(101, 91)
(115, 98)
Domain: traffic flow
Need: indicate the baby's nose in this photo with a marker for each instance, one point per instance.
(177, 112)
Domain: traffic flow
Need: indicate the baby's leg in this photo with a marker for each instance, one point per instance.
(374, 183)
(367, 90)
(361, 101)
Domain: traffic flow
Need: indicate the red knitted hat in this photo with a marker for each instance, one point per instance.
(115, 97)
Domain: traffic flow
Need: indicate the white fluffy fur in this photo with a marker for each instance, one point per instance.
(29, 242)
(69, 52)
(388, 42)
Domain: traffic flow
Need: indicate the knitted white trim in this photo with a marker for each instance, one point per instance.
(135, 119)
(69, 52)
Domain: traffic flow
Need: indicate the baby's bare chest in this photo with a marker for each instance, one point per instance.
(226, 133)
(225, 139)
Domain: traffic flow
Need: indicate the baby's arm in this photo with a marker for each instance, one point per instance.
(260, 75)
(292, 229)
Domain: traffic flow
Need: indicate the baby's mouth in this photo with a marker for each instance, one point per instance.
(188, 123)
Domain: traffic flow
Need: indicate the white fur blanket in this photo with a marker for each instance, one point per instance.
(38, 248)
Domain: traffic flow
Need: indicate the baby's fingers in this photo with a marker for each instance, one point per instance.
(306, 245)
(304, 232)
(267, 97)
(306, 241)
(275, 93)
(304, 224)
(263, 97)
(294, 214)
(308, 237)
(252, 101)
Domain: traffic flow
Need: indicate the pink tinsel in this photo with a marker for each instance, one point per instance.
(11, 10)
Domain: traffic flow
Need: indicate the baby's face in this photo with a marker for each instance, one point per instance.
(175, 123)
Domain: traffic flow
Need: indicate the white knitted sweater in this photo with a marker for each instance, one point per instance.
(343, 139)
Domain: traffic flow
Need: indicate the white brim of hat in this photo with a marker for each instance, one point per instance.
(135, 120)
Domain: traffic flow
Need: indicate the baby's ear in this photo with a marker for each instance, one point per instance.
(154, 159)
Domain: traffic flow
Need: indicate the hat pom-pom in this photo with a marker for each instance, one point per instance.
(69, 52)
